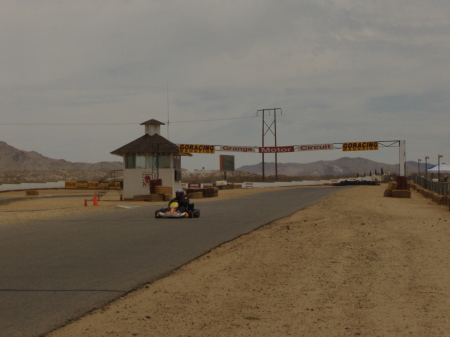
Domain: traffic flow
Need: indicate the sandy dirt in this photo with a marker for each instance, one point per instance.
(356, 264)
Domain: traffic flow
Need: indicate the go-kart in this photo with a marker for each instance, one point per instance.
(173, 212)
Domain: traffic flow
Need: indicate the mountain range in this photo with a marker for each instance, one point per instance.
(12, 159)
(340, 167)
(31, 163)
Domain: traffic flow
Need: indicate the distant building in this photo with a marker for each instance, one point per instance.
(148, 158)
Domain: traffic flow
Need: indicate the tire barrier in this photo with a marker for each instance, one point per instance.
(356, 182)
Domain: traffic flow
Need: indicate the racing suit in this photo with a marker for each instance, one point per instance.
(183, 203)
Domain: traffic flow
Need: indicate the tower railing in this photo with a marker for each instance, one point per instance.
(107, 183)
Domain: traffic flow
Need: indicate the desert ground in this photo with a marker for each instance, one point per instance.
(356, 264)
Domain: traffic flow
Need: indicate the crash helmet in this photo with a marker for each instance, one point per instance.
(179, 193)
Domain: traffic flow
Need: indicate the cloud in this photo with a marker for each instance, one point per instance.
(428, 103)
(340, 70)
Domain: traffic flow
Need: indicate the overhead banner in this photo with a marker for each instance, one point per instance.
(192, 148)
(276, 149)
(237, 148)
(360, 146)
(314, 147)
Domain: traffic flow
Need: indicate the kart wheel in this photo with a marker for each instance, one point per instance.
(157, 214)
(196, 213)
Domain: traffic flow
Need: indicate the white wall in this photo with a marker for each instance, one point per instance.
(285, 184)
(132, 181)
(32, 186)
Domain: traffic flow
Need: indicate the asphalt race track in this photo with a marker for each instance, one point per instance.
(56, 270)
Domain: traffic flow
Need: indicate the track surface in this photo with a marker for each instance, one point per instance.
(52, 271)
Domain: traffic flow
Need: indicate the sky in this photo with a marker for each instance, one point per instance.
(77, 78)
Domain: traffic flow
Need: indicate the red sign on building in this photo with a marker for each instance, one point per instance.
(276, 149)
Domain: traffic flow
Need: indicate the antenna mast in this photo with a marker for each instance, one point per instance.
(168, 118)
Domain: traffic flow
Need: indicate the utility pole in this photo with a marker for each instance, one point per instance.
(272, 127)
(168, 117)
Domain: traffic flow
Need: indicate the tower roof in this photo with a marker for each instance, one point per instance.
(147, 144)
(152, 122)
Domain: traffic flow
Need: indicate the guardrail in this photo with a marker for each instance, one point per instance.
(441, 188)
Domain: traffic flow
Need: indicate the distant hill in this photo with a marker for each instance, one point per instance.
(339, 167)
(17, 166)
(12, 159)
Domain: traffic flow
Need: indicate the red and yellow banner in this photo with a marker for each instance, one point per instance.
(193, 148)
(360, 146)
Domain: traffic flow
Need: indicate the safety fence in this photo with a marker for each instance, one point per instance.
(441, 188)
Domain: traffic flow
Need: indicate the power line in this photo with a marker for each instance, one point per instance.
(323, 124)
(213, 120)
(63, 124)
(119, 123)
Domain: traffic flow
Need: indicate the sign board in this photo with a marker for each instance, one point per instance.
(276, 149)
(70, 184)
(237, 148)
(226, 163)
(314, 147)
(360, 146)
(147, 177)
(192, 148)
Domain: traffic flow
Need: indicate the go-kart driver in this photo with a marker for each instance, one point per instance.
(181, 199)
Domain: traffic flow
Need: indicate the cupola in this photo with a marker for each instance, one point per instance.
(152, 127)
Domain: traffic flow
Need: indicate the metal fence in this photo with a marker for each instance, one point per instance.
(441, 188)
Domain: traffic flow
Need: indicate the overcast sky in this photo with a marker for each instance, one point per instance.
(78, 77)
